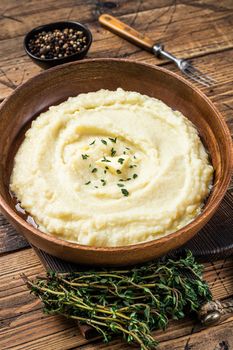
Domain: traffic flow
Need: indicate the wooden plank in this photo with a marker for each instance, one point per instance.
(216, 32)
(23, 322)
(216, 338)
(9, 239)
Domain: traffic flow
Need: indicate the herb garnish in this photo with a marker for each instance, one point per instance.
(103, 182)
(113, 152)
(118, 171)
(85, 156)
(135, 176)
(125, 192)
(87, 183)
(120, 185)
(94, 170)
(104, 142)
(127, 148)
(144, 297)
(121, 160)
(132, 166)
(113, 140)
(105, 160)
(92, 143)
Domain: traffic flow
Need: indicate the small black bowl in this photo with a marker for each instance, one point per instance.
(50, 62)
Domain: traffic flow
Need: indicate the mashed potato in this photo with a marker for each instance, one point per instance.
(111, 168)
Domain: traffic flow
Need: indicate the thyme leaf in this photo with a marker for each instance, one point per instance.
(84, 156)
(145, 297)
(125, 192)
(121, 160)
(112, 139)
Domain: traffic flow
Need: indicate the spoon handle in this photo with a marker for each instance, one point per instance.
(125, 31)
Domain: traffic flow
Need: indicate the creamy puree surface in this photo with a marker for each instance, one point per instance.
(111, 168)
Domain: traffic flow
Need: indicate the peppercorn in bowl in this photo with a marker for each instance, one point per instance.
(57, 43)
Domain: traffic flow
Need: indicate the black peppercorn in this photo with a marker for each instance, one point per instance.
(57, 43)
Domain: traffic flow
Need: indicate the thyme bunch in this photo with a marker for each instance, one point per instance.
(130, 302)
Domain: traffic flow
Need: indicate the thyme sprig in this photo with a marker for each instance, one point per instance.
(130, 302)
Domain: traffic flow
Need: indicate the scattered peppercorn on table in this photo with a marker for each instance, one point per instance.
(208, 39)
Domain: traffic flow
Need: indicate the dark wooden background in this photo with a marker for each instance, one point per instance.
(201, 30)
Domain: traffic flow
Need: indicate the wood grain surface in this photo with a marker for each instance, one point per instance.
(201, 30)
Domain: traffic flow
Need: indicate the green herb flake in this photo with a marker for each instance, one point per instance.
(85, 156)
(105, 160)
(103, 182)
(94, 170)
(124, 192)
(104, 142)
(118, 171)
(127, 148)
(88, 183)
(120, 185)
(128, 179)
(92, 143)
(121, 160)
(134, 157)
(113, 152)
(112, 139)
(135, 176)
(106, 167)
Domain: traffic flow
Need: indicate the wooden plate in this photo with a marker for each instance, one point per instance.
(56, 85)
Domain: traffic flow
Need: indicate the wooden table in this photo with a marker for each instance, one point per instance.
(202, 30)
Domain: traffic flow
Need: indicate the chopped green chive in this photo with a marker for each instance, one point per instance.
(113, 152)
(107, 167)
(121, 160)
(96, 186)
(103, 182)
(105, 171)
(124, 152)
(104, 142)
(135, 175)
(127, 148)
(134, 157)
(88, 183)
(118, 171)
(94, 170)
(85, 156)
(124, 192)
(129, 178)
(113, 140)
(120, 185)
(121, 180)
(92, 143)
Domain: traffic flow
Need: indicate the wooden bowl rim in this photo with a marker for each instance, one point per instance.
(209, 208)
